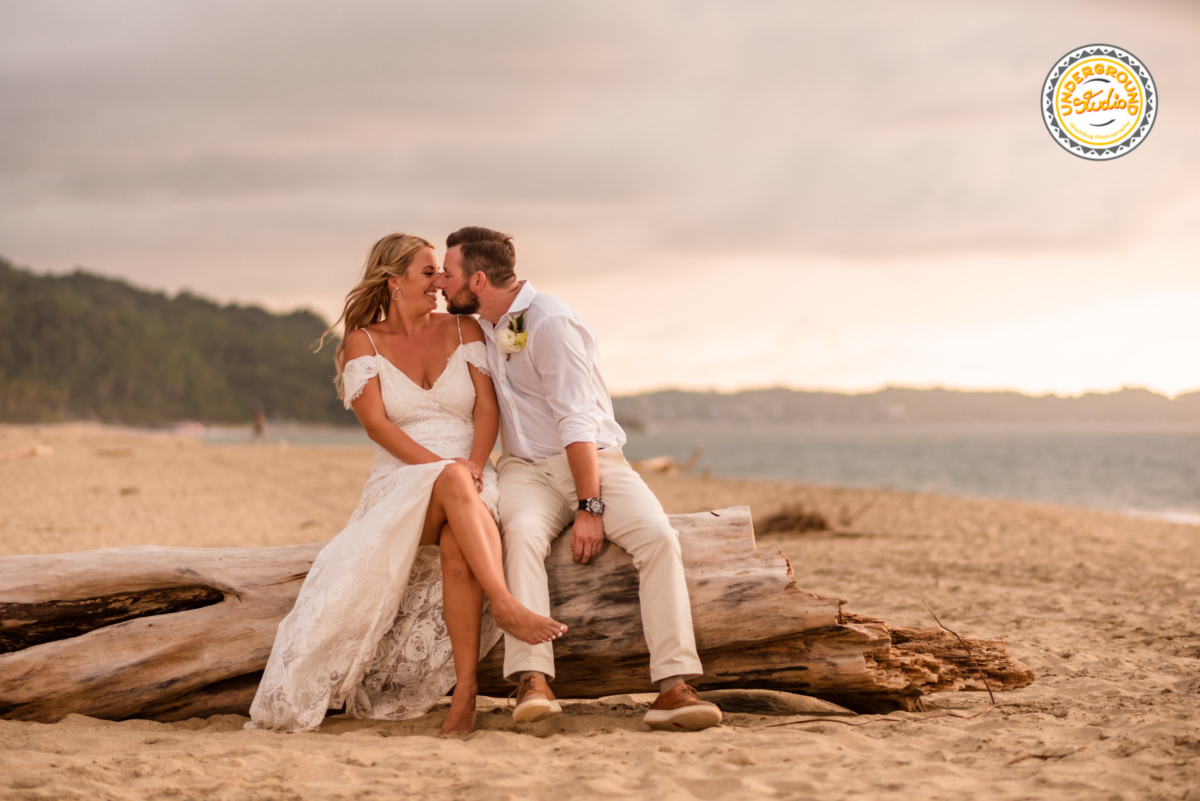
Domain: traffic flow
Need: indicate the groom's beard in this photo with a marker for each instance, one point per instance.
(465, 302)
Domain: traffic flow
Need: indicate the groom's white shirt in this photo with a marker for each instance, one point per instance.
(551, 393)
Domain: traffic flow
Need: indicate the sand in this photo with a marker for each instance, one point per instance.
(1104, 607)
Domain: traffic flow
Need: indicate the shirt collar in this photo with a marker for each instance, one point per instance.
(521, 302)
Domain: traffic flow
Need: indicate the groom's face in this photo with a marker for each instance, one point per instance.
(459, 297)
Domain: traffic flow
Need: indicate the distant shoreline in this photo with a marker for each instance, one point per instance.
(898, 405)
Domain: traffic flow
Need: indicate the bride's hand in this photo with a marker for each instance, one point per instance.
(476, 472)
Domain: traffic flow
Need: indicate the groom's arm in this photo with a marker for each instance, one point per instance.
(560, 357)
(588, 534)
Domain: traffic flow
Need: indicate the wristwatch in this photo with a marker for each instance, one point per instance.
(593, 506)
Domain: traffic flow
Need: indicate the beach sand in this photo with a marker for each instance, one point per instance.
(1106, 609)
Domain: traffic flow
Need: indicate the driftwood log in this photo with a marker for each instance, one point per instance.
(172, 633)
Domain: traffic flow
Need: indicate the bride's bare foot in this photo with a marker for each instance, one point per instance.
(461, 719)
(527, 626)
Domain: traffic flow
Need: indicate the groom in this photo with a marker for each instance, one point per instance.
(562, 464)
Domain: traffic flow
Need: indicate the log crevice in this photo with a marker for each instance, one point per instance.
(25, 625)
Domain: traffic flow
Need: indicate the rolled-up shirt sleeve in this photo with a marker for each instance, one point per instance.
(560, 355)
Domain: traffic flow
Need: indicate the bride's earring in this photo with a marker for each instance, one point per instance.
(396, 293)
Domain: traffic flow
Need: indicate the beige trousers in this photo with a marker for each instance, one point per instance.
(537, 501)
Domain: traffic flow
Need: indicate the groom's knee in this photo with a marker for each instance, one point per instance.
(656, 541)
(524, 536)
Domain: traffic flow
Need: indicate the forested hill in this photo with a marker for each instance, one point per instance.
(81, 346)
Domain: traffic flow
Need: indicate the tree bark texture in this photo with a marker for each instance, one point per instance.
(172, 633)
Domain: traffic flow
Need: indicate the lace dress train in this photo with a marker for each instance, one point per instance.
(367, 630)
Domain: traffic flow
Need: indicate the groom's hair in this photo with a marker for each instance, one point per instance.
(487, 250)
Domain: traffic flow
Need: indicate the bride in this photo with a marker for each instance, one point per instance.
(383, 624)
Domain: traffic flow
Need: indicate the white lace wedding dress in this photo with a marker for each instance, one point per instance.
(367, 630)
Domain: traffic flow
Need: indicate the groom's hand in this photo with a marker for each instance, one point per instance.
(587, 536)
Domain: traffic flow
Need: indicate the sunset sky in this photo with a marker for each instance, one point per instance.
(815, 195)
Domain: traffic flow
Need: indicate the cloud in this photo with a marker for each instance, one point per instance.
(254, 150)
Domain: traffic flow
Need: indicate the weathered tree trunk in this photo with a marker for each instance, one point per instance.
(171, 633)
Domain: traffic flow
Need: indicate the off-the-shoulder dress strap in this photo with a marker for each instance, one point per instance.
(458, 319)
(368, 333)
(476, 353)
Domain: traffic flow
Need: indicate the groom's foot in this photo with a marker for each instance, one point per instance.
(680, 709)
(535, 700)
(527, 626)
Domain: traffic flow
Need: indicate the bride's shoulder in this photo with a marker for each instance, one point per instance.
(471, 331)
(454, 324)
(358, 343)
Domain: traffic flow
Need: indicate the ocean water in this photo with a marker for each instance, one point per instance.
(1140, 469)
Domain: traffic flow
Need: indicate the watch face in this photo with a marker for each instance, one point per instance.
(594, 506)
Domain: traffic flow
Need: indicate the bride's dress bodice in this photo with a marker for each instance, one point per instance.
(439, 418)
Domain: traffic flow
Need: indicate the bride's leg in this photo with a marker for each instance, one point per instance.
(456, 501)
(462, 602)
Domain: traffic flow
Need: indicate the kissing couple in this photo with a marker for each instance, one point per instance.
(393, 613)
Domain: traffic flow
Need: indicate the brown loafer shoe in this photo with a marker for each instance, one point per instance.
(534, 700)
(680, 708)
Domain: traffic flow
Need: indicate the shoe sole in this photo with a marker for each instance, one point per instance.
(689, 718)
(535, 709)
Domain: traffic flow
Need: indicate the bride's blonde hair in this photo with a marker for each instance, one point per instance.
(368, 302)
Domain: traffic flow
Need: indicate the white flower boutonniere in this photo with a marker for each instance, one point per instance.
(514, 338)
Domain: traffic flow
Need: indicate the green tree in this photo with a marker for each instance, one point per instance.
(82, 346)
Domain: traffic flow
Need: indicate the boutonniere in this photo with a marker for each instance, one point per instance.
(514, 338)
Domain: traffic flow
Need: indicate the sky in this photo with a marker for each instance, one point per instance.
(837, 196)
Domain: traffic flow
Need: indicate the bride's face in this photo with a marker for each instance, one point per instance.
(420, 284)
